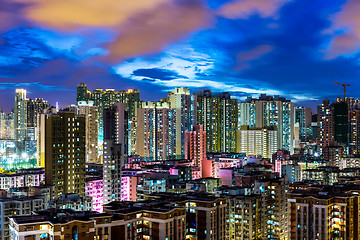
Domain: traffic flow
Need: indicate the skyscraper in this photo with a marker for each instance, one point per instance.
(82, 93)
(65, 152)
(218, 114)
(354, 131)
(325, 136)
(341, 130)
(268, 111)
(274, 215)
(113, 162)
(262, 142)
(156, 139)
(34, 108)
(303, 117)
(195, 149)
(90, 112)
(7, 125)
(105, 99)
(185, 106)
(115, 120)
(20, 114)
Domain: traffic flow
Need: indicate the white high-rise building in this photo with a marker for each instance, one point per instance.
(274, 112)
(262, 142)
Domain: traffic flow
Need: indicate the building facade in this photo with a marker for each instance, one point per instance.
(218, 113)
(90, 112)
(65, 152)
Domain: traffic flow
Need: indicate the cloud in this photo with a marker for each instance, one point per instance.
(253, 54)
(11, 15)
(72, 14)
(245, 8)
(156, 73)
(345, 30)
(142, 26)
(152, 31)
(180, 59)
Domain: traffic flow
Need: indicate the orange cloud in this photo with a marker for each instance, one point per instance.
(150, 32)
(143, 26)
(348, 21)
(71, 14)
(245, 8)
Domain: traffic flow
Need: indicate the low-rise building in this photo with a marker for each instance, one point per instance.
(94, 189)
(58, 224)
(31, 177)
(146, 220)
(73, 201)
(148, 186)
(17, 206)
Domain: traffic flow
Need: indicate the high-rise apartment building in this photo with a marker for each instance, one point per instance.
(156, 139)
(243, 217)
(218, 113)
(303, 118)
(114, 144)
(7, 125)
(256, 142)
(274, 215)
(185, 106)
(341, 125)
(325, 136)
(195, 150)
(82, 93)
(246, 113)
(107, 98)
(270, 111)
(354, 131)
(41, 135)
(90, 112)
(113, 162)
(20, 114)
(65, 152)
(34, 109)
(115, 124)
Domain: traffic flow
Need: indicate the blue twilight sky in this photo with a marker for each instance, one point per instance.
(292, 48)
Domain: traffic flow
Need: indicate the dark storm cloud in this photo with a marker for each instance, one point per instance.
(156, 73)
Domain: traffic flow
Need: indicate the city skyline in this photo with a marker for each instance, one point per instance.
(290, 48)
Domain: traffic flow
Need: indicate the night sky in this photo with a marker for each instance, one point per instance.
(292, 48)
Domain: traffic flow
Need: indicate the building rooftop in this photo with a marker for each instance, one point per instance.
(328, 191)
(126, 207)
(57, 216)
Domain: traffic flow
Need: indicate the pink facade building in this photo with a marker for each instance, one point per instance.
(94, 189)
(195, 150)
(280, 158)
(128, 188)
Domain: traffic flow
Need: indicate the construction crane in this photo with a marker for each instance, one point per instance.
(344, 85)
